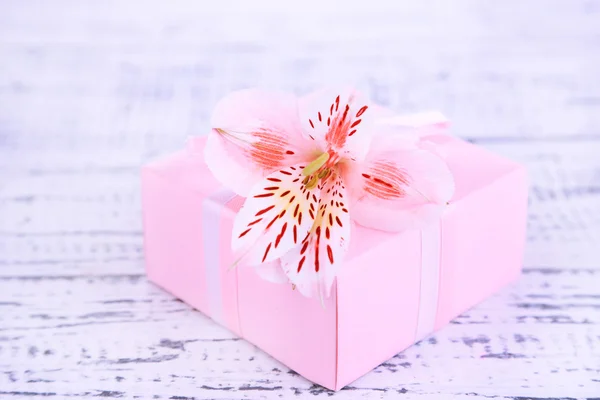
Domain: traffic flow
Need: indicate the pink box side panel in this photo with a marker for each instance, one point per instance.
(299, 332)
(483, 238)
(378, 301)
(173, 239)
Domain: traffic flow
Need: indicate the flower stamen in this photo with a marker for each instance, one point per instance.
(312, 182)
(323, 173)
(315, 165)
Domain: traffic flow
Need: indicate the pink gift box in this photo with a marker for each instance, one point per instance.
(393, 289)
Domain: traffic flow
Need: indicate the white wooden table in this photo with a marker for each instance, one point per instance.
(90, 90)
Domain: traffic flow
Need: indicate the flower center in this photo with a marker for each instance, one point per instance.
(318, 169)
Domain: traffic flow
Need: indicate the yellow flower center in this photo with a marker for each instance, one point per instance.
(315, 171)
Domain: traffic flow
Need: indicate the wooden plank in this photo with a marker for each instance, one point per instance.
(121, 334)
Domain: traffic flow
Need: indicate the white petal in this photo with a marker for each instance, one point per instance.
(272, 272)
(338, 120)
(423, 124)
(313, 266)
(275, 217)
(402, 132)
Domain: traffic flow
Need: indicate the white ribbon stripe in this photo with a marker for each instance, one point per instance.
(430, 279)
(211, 226)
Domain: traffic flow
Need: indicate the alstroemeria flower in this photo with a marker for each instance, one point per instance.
(308, 167)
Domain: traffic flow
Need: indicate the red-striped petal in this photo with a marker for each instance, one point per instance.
(270, 223)
(399, 189)
(254, 133)
(312, 267)
(345, 128)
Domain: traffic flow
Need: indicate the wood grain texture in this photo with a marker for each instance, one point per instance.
(91, 90)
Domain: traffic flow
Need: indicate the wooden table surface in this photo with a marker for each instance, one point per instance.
(91, 90)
